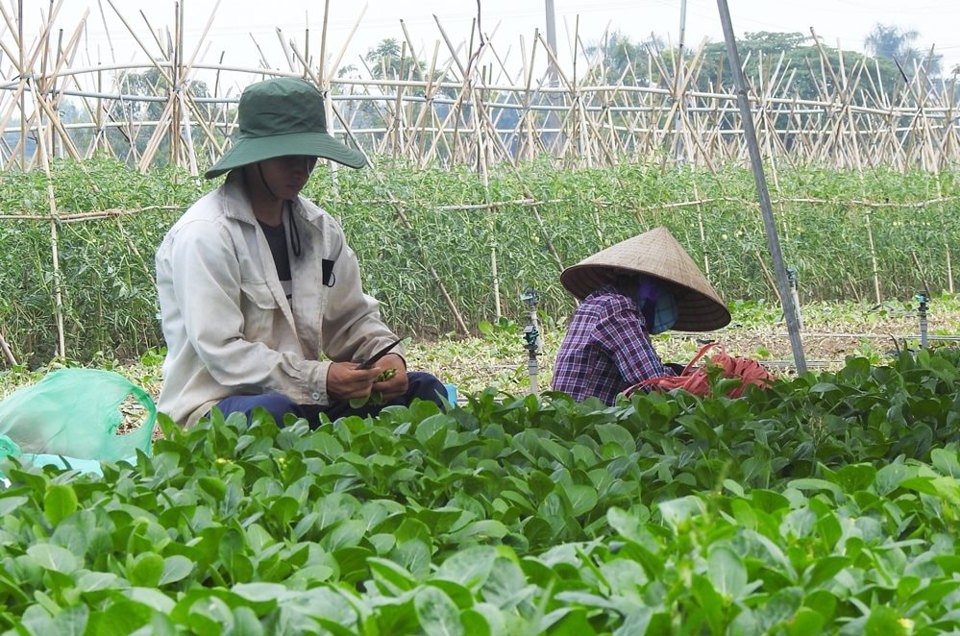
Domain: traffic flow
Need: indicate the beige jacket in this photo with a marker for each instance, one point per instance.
(227, 323)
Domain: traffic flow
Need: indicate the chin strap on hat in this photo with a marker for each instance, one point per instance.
(294, 231)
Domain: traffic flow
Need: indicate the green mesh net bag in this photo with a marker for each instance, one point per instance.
(81, 413)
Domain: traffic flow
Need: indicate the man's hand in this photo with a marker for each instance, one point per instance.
(392, 375)
(345, 381)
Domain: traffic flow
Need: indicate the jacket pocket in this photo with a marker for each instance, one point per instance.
(329, 277)
(260, 309)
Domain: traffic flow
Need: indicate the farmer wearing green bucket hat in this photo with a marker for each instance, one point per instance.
(261, 301)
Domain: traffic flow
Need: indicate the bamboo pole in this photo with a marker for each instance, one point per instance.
(401, 215)
(946, 243)
(773, 241)
(22, 65)
(597, 123)
(7, 351)
(474, 95)
(480, 109)
(54, 247)
(81, 217)
(44, 85)
(175, 116)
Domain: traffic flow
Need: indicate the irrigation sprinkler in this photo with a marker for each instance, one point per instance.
(531, 336)
(793, 280)
(923, 300)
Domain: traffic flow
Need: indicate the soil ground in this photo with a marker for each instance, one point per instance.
(830, 333)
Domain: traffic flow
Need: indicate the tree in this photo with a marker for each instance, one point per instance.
(386, 62)
(618, 60)
(891, 43)
(812, 67)
(389, 60)
(804, 70)
(139, 116)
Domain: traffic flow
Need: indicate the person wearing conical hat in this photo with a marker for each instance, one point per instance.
(628, 292)
(261, 302)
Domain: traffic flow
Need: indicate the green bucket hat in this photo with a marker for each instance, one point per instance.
(281, 117)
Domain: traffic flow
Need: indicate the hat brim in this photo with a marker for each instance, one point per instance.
(248, 150)
(655, 253)
(696, 310)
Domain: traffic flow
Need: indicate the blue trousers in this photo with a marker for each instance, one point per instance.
(420, 385)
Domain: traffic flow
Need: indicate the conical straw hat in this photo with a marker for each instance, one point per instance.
(654, 253)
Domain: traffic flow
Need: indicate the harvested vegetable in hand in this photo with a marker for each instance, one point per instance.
(375, 398)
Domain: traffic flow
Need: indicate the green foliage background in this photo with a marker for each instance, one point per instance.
(406, 223)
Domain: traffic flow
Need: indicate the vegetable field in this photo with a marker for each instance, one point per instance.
(827, 504)
(443, 251)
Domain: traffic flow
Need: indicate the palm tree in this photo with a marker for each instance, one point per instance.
(620, 59)
(889, 42)
(385, 62)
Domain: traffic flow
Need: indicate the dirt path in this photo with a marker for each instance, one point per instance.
(830, 334)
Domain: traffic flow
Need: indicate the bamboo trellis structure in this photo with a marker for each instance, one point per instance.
(470, 109)
(468, 105)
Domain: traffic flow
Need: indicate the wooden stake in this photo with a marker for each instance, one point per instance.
(7, 352)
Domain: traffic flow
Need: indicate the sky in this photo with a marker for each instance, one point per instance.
(239, 27)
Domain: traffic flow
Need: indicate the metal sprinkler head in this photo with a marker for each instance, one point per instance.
(531, 297)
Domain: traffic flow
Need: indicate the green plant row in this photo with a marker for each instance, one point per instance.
(428, 235)
(826, 504)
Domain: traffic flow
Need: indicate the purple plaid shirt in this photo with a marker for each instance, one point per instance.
(606, 349)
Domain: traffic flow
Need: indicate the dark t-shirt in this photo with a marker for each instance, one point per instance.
(277, 240)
